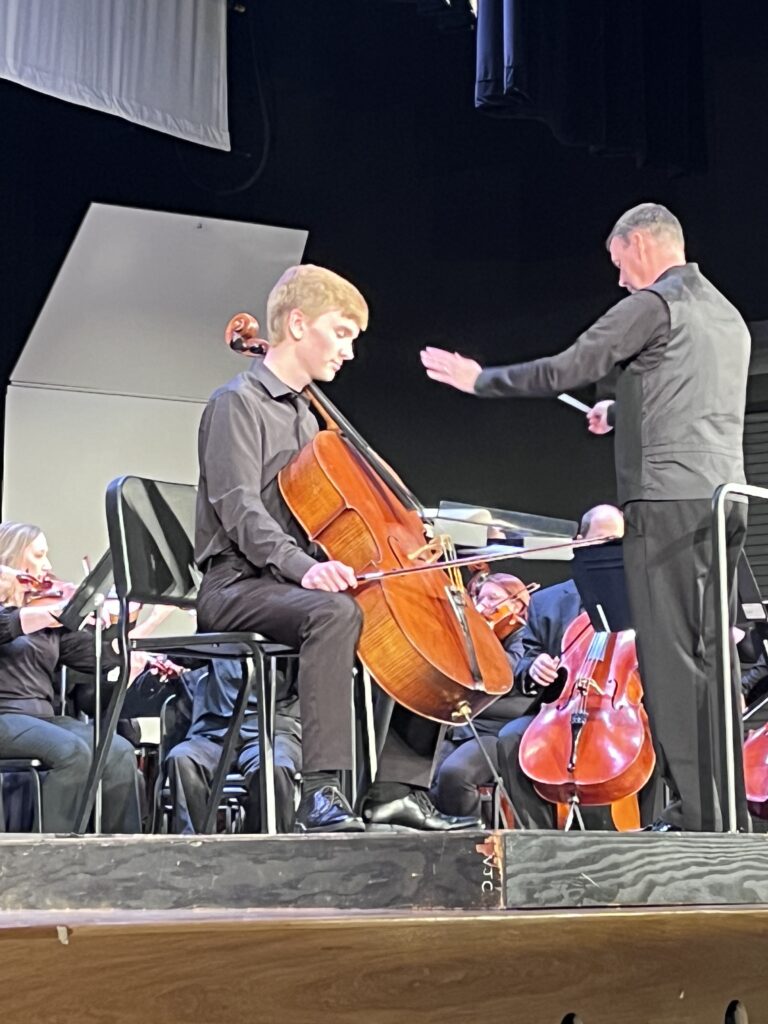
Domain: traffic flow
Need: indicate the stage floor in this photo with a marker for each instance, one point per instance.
(385, 929)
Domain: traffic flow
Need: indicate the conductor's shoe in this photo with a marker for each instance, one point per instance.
(326, 810)
(413, 813)
(661, 826)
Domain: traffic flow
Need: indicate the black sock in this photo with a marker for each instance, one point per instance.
(383, 792)
(312, 781)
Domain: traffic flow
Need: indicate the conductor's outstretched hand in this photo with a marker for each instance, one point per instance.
(451, 368)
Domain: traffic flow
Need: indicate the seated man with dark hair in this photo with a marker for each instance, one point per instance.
(192, 763)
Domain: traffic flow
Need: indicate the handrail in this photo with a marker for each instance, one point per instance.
(722, 614)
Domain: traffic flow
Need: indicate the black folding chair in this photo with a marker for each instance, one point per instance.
(31, 767)
(151, 529)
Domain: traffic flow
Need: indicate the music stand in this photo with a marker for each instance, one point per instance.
(82, 603)
(598, 573)
(86, 601)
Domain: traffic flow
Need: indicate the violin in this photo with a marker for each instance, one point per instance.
(43, 591)
(509, 614)
(507, 617)
(592, 745)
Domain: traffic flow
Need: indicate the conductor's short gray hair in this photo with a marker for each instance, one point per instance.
(654, 218)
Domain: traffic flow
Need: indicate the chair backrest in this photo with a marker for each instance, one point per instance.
(151, 527)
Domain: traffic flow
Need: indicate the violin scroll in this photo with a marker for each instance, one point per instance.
(242, 335)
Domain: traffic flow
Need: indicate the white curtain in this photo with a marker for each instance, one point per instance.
(160, 63)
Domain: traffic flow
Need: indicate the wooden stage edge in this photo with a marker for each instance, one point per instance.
(545, 928)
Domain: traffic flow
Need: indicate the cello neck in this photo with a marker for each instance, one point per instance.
(335, 420)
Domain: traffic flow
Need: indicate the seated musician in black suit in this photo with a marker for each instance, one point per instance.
(462, 766)
(192, 763)
(550, 612)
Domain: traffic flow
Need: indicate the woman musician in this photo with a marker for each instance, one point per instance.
(33, 646)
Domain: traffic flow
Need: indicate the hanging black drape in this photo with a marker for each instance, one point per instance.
(616, 76)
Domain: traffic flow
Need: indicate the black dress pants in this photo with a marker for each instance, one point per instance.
(191, 766)
(323, 626)
(64, 746)
(668, 558)
(407, 745)
(463, 767)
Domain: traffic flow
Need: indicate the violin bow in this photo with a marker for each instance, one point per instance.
(371, 577)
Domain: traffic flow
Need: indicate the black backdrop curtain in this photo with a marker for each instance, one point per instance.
(616, 76)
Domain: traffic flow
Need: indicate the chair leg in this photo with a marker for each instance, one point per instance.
(266, 720)
(367, 760)
(37, 789)
(252, 673)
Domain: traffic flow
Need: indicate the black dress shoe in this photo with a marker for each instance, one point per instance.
(326, 810)
(661, 826)
(413, 813)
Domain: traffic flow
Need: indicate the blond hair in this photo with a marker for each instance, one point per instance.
(313, 290)
(15, 538)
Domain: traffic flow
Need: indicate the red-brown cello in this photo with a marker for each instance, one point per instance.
(592, 745)
(422, 641)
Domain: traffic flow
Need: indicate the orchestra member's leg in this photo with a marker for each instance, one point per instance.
(461, 773)
(533, 811)
(66, 757)
(399, 797)
(120, 784)
(668, 554)
(190, 766)
(324, 627)
(287, 754)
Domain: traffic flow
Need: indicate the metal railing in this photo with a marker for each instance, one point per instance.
(722, 612)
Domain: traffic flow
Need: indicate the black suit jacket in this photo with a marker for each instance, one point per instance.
(550, 612)
(680, 351)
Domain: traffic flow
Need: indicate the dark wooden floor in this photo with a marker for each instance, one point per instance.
(500, 927)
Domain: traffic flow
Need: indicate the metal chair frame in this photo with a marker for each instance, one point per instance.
(151, 526)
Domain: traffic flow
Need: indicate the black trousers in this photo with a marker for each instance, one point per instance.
(64, 746)
(324, 627)
(462, 767)
(192, 763)
(408, 746)
(668, 557)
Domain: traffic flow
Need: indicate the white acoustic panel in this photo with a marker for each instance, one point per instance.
(142, 299)
(62, 448)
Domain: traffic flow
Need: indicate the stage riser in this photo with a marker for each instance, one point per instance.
(355, 872)
(609, 968)
(606, 869)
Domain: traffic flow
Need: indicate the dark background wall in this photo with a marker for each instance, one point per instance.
(466, 231)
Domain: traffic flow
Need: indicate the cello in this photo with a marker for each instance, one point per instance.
(592, 745)
(422, 640)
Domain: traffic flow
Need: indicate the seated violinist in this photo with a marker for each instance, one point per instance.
(33, 645)
(551, 611)
(503, 599)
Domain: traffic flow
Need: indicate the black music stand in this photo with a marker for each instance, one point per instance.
(598, 573)
(87, 601)
(99, 581)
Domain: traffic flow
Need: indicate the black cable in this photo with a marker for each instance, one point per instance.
(254, 176)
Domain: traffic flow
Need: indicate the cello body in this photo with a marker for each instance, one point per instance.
(756, 771)
(412, 640)
(593, 743)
